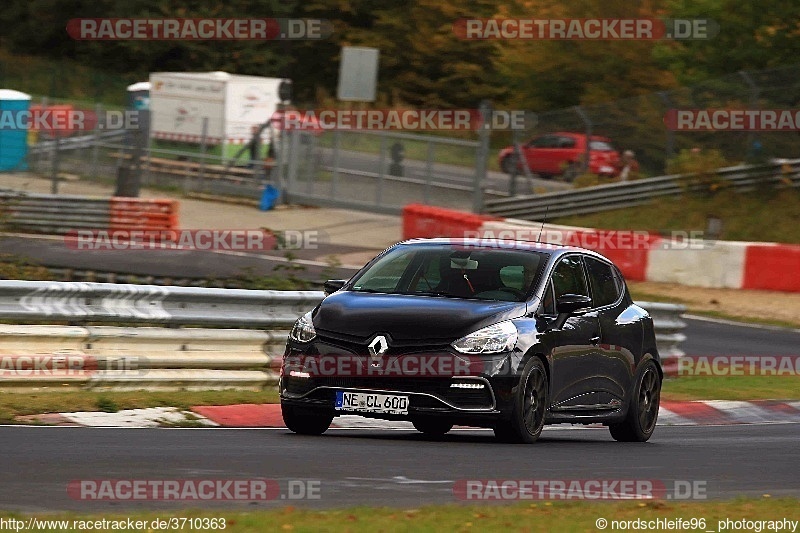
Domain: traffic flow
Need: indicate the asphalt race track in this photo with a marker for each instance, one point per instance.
(385, 468)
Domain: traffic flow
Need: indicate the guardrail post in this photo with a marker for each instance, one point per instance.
(481, 156)
(588, 122)
(98, 109)
(669, 149)
(54, 169)
(201, 174)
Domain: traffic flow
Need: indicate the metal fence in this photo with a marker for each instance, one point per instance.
(362, 169)
(638, 123)
(381, 171)
(639, 192)
(169, 356)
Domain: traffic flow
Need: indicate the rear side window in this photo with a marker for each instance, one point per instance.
(566, 142)
(604, 281)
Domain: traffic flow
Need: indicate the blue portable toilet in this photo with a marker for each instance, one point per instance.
(13, 139)
(139, 95)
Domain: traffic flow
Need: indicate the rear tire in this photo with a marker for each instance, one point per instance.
(305, 421)
(640, 421)
(432, 427)
(529, 406)
(509, 164)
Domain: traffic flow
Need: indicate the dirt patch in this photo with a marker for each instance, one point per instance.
(769, 306)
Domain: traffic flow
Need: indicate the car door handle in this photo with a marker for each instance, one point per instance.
(595, 339)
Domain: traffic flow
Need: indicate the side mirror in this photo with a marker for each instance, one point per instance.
(567, 305)
(333, 285)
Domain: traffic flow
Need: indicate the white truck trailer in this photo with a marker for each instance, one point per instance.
(235, 105)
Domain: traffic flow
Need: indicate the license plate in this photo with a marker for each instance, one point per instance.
(370, 402)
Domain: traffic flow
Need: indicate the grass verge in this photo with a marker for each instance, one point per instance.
(732, 388)
(538, 516)
(745, 217)
(769, 308)
(18, 403)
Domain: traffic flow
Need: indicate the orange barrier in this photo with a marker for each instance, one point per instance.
(143, 214)
(430, 221)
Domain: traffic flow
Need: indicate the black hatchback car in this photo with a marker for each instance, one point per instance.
(501, 334)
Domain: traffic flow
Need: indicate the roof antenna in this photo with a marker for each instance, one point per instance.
(546, 210)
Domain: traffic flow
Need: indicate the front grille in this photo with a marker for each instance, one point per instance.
(440, 388)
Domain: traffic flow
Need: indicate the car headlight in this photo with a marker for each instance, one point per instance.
(500, 337)
(303, 329)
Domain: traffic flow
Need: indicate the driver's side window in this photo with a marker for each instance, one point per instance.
(568, 277)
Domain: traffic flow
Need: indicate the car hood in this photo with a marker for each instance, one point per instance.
(407, 318)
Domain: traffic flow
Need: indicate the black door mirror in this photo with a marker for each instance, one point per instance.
(333, 285)
(568, 304)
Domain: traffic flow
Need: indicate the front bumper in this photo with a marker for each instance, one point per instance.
(428, 395)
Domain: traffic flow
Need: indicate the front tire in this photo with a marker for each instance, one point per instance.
(529, 406)
(432, 427)
(305, 421)
(640, 421)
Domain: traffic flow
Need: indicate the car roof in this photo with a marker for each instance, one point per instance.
(574, 134)
(505, 244)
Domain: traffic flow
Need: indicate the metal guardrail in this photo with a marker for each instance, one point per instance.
(146, 357)
(53, 213)
(634, 193)
(62, 213)
(76, 142)
(78, 302)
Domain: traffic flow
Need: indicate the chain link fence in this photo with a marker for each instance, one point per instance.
(638, 123)
(382, 171)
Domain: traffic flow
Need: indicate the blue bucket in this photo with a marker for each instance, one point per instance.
(269, 197)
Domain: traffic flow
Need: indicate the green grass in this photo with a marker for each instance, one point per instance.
(732, 388)
(28, 403)
(755, 216)
(529, 516)
(415, 150)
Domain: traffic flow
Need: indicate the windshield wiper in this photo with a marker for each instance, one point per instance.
(428, 293)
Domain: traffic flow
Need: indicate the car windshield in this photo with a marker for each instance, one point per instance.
(454, 272)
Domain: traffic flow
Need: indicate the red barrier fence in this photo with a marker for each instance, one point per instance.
(143, 214)
(430, 221)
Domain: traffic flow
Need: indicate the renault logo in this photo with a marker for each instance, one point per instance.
(378, 346)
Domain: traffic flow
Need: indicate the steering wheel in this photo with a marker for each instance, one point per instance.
(516, 292)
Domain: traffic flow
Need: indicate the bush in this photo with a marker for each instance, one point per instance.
(700, 167)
